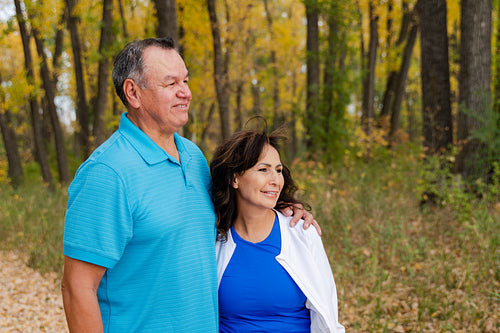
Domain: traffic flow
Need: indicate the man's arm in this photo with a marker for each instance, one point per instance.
(298, 212)
(79, 290)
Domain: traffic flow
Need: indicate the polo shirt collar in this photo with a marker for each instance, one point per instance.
(150, 152)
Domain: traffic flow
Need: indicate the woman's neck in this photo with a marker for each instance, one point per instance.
(254, 226)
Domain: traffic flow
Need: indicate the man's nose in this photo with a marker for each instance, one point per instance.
(184, 90)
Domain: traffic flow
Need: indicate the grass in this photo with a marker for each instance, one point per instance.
(399, 267)
(32, 221)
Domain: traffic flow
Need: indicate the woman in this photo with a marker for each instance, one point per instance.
(272, 278)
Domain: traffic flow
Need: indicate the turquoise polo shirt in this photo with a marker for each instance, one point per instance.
(150, 221)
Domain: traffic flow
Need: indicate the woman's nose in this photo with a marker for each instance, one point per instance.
(274, 176)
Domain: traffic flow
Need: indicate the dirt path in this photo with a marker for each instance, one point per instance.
(29, 302)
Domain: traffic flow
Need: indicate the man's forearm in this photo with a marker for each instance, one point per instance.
(82, 311)
(79, 286)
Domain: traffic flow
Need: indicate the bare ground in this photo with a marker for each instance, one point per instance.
(29, 302)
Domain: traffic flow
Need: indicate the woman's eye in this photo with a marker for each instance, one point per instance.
(279, 170)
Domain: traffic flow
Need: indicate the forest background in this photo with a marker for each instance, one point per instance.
(392, 108)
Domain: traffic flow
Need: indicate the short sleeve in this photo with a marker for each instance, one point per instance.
(98, 223)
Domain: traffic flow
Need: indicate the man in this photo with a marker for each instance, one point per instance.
(139, 238)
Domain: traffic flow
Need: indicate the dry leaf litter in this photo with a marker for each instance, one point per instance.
(29, 302)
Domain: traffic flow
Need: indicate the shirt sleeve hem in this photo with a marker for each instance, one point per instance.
(90, 257)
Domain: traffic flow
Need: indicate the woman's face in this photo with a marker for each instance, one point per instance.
(260, 186)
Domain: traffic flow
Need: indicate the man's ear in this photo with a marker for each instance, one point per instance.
(131, 93)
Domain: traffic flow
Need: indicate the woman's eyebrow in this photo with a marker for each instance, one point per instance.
(267, 164)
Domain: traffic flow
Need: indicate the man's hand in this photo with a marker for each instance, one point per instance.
(298, 212)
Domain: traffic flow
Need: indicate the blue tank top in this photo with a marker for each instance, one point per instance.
(256, 294)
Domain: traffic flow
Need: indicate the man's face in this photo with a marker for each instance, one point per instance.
(165, 100)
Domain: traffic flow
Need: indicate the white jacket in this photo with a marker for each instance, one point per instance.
(304, 258)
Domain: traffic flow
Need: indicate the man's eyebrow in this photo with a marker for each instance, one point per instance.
(174, 77)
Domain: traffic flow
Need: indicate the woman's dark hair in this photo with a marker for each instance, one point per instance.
(129, 63)
(236, 155)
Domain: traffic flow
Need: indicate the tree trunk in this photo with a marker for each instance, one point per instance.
(182, 30)
(220, 73)
(239, 112)
(474, 88)
(36, 122)
(401, 80)
(368, 109)
(392, 78)
(293, 144)
(437, 119)
(166, 12)
(122, 20)
(82, 112)
(330, 70)
(497, 65)
(334, 101)
(58, 48)
(274, 63)
(256, 108)
(15, 171)
(207, 122)
(49, 88)
(101, 100)
(313, 72)
(412, 132)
